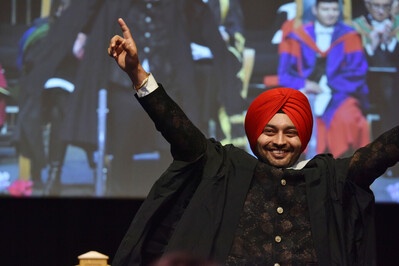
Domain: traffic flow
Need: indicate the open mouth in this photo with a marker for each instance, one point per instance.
(278, 153)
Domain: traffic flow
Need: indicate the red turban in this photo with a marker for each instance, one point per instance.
(292, 102)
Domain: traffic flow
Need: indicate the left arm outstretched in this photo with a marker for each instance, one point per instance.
(371, 161)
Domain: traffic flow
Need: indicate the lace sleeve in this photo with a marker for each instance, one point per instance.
(371, 161)
(186, 140)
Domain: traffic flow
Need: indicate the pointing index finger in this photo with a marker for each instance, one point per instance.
(125, 29)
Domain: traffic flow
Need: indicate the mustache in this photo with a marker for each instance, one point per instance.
(278, 147)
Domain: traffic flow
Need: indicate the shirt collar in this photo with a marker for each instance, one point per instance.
(321, 29)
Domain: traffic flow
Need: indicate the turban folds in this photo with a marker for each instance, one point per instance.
(292, 102)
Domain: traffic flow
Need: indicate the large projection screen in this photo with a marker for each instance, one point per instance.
(111, 148)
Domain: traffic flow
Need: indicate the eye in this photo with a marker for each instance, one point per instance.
(269, 131)
(291, 133)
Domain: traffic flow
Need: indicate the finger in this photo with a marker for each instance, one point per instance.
(125, 29)
(114, 42)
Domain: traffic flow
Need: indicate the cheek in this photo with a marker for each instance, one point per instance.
(262, 140)
(260, 143)
(298, 144)
(335, 17)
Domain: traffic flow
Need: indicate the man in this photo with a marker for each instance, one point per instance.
(223, 204)
(48, 70)
(379, 31)
(325, 60)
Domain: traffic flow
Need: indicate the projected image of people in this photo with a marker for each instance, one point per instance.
(69, 126)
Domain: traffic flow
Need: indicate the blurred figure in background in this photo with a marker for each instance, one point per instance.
(379, 29)
(325, 60)
(223, 104)
(48, 68)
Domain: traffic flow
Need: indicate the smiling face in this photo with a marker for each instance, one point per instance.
(279, 143)
(327, 13)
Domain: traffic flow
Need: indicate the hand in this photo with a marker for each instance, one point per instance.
(124, 51)
(375, 38)
(386, 33)
(79, 45)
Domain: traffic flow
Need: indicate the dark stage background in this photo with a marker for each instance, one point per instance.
(54, 232)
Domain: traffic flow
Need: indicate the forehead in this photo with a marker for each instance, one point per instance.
(328, 5)
(280, 120)
(382, 2)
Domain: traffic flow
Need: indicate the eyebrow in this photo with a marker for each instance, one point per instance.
(285, 128)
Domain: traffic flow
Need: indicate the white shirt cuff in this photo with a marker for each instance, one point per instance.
(369, 50)
(150, 86)
(391, 45)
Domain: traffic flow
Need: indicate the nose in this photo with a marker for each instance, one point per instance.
(279, 139)
(380, 11)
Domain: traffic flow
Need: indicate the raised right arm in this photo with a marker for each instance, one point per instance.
(187, 141)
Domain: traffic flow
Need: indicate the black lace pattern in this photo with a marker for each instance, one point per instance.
(274, 225)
